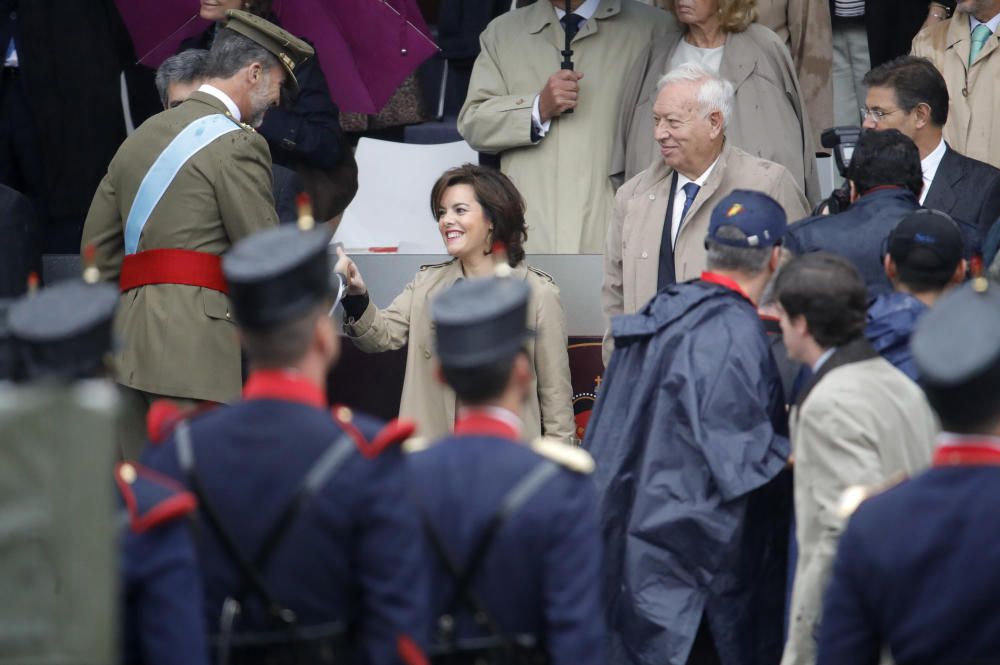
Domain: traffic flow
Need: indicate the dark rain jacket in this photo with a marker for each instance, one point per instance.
(889, 324)
(688, 432)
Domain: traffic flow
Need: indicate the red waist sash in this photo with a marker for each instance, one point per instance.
(172, 266)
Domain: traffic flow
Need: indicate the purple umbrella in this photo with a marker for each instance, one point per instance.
(365, 47)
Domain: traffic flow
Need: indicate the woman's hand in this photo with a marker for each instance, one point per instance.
(345, 266)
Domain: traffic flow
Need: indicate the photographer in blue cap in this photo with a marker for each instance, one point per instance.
(510, 527)
(689, 440)
(917, 573)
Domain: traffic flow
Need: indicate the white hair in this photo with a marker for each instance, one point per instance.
(714, 94)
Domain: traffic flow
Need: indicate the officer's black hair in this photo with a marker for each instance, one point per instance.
(284, 344)
(829, 292)
(974, 408)
(232, 51)
(482, 384)
(885, 158)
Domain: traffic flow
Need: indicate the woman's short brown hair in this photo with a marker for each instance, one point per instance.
(734, 15)
(502, 204)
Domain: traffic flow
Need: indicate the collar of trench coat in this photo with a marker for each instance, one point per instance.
(658, 172)
(542, 14)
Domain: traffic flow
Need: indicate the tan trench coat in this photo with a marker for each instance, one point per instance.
(563, 177)
(408, 321)
(973, 126)
(631, 258)
(862, 423)
(768, 119)
(180, 340)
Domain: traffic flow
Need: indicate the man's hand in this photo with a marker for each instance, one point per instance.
(345, 266)
(559, 94)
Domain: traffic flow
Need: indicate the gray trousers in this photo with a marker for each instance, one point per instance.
(850, 64)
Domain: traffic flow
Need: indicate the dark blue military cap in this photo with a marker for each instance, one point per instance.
(63, 331)
(956, 343)
(277, 275)
(480, 321)
(757, 215)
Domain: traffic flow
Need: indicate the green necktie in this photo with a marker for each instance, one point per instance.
(979, 37)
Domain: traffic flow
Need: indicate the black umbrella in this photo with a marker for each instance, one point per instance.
(567, 52)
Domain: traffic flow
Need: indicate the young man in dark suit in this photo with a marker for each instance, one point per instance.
(909, 94)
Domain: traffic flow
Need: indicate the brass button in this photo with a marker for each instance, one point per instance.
(344, 414)
(127, 473)
(227, 316)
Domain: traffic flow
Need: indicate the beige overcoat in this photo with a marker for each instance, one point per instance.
(768, 119)
(973, 126)
(861, 424)
(179, 340)
(632, 253)
(408, 321)
(564, 176)
(804, 26)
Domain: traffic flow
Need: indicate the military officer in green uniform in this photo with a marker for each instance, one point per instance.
(181, 190)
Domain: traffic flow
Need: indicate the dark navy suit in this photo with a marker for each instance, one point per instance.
(162, 607)
(966, 189)
(918, 570)
(541, 576)
(351, 555)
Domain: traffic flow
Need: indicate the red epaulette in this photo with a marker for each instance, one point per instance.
(396, 431)
(409, 651)
(164, 415)
(151, 498)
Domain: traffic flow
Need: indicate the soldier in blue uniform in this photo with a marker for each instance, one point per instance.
(62, 337)
(511, 528)
(309, 549)
(918, 568)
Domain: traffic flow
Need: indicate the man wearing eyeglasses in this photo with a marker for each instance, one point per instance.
(910, 95)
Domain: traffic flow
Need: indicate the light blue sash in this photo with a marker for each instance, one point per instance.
(185, 145)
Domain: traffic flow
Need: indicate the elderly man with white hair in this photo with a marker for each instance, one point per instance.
(660, 217)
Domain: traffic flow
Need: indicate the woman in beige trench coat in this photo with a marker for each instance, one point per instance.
(475, 207)
(769, 118)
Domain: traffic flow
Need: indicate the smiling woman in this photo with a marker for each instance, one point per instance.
(478, 211)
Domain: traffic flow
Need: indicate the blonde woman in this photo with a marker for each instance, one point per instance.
(475, 207)
(769, 118)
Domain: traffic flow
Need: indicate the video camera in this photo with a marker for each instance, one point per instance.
(841, 140)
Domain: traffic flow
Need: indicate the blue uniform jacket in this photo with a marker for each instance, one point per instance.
(164, 623)
(541, 575)
(688, 433)
(353, 552)
(918, 570)
(889, 323)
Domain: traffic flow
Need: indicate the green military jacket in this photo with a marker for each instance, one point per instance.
(180, 340)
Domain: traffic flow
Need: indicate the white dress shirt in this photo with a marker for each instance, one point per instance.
(929, 165)
(992, 24)
(585, 11)
(680, 196)
(222, 97)
(823, 358)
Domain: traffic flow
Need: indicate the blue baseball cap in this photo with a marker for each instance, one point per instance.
(762, 220)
